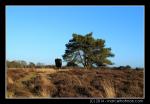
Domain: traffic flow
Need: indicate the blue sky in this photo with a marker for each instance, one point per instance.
(39, 33)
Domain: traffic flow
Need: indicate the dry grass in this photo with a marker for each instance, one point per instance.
(74, 83)
(108, 88)
(43, 86)
(10, 81)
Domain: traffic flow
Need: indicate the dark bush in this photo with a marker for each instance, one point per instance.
(124, 67)
(121, 67)
(128, 67)
(58, 63)
(138, 68)
(71, 64)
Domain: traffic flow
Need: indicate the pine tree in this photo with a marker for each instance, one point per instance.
(87, 51)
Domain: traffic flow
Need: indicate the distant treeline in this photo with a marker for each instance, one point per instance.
(24, 64)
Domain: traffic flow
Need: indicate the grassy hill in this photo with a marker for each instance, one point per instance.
(52, 83)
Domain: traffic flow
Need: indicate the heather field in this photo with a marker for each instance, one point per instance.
(61, 52)
(76, 83)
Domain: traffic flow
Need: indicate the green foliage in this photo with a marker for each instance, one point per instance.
(87, 51)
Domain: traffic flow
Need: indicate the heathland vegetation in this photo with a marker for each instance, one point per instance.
(86, 74)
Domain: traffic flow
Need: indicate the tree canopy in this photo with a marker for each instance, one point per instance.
(87, 51)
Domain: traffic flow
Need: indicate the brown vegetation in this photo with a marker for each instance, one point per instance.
(50, 83)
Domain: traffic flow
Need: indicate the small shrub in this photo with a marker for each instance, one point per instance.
(121, 67)
(71, 64)
(128, 67)
(138, 68)
(58, 63)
